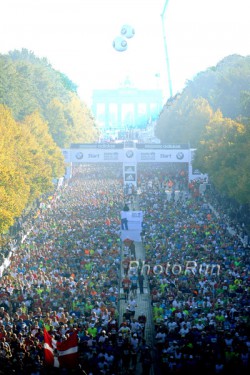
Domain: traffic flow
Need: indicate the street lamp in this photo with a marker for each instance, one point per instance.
(166, 49)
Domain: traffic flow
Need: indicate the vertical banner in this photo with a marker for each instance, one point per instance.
(129, 174)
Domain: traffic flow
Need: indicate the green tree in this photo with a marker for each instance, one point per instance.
(184, 121)
(29, 84)
(223, 154)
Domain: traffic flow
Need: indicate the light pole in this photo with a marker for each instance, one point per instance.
(166, 49)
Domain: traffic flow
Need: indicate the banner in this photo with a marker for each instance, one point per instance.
(143, 153)
(134, 219)
(129, 174)
(61, 354)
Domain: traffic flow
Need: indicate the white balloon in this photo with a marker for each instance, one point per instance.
(127, 31)
(120, 44)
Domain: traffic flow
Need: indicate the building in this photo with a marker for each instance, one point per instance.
(126, 109)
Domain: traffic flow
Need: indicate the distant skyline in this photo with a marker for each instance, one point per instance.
(76, 37)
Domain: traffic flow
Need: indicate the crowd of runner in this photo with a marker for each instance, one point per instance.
(198, 274)
(64, 275)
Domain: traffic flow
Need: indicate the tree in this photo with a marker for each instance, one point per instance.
(14, 191)
(83, 127)
(48, 158)
(29, 160)
(29, 84)
(223, 154)
(184, 121)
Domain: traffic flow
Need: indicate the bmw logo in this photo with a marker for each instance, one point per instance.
(129, 154)
(180, 155)
(79, 155)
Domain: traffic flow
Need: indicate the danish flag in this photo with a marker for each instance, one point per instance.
(61, 354)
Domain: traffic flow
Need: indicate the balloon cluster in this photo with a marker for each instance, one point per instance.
(120, 43)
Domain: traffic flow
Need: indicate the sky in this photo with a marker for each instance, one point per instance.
(76, 37)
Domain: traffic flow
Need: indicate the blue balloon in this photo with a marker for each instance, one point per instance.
(127, 31)
(120, 44)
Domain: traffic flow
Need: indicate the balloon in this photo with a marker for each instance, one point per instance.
(127, 31)
(120, 44)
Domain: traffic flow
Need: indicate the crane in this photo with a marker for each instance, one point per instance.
(166, 49)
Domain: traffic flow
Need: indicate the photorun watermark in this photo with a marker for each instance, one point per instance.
(190, 267)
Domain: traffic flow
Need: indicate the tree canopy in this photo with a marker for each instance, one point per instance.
(29, 84)
(40, 112)
(29, 160)
(212, 114)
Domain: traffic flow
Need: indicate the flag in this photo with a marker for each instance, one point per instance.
(61, 354)
(49, 346)
(68, 351)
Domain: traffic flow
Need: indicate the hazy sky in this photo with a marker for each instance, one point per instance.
(76, 37)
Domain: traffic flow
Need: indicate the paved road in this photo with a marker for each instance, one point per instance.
(143, 300)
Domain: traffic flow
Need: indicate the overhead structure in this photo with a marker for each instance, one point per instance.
(129, 155)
